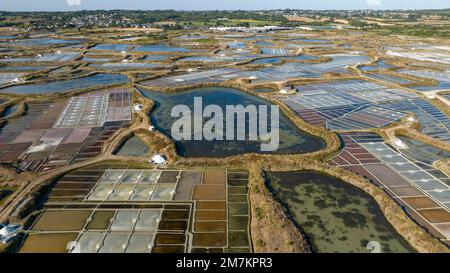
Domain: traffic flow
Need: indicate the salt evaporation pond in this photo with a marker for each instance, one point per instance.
(24, 68)
(41, 42)
(125, 66)
(212, 59)
(422, 152)
(134, 146)
(157, 57)
(67, 85)
(111, 47)
(93, 60)
(274, 60)
(264, 43)
(160, 48)
(318, 41)
(334, 215)
(277, 60)
(379, 65)
(443, 79)
(338, 63)
(389, 78)
(264, 90)
(292, 140)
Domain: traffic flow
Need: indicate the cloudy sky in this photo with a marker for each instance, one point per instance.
(63, 5)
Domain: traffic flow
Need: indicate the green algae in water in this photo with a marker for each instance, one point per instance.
(336, 216)
(134, 146)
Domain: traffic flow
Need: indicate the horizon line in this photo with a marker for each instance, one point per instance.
(187, 10)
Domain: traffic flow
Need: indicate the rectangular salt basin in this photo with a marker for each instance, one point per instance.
(148, 220)
(417, 175)
(442, 196)
(431, 184)
(142, 193)
(121, 192)
(169, 177)
(62, 220)
(68, 85)
(131, 176)
(125, 220)
(102, 191)
(126, 65)
(58, 57)
(78, 135)
(140, 243)
(100, 220)
(54, 136)
(392, 159)
(111, 47)
(90, 242)
(404, 166)
(186, 183)
(29, 135)
(112, 176)
(150, 177)
(163, 192)
(9, 77)
(47, 243)
(114, 243)
(160, 48)
(41, 42)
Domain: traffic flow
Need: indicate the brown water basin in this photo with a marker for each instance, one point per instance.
(48, 243)
(62, 220)
(205, 226)
(100, 220)
(214, 178)
(209, 192)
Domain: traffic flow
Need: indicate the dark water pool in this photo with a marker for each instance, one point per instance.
(292, 140)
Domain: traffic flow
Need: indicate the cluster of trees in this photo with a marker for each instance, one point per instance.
(420, 30)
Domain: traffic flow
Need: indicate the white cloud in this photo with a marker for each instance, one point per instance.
(373, 2)
(73, 2)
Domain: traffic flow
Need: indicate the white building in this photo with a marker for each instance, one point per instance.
(158, 159)
(138, 107)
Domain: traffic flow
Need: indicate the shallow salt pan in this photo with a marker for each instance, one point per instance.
(114, 243)
(140, 243)
(125, 220)
(142, 193)
(148, 220)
